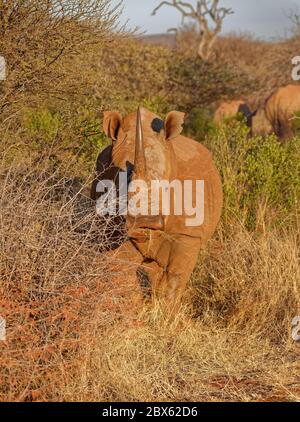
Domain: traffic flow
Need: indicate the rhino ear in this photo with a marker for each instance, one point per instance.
(173, 124)
(111, 124)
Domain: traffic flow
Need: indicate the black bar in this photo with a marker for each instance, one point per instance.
(135, 411)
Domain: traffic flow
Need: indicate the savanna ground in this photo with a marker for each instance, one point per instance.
(76, 329)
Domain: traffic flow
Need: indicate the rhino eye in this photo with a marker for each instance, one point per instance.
(157, 125)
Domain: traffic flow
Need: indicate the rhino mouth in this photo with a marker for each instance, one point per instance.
(136, 224)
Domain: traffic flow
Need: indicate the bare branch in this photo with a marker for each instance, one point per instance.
(294, 16)
(205, 13)
(180, 6)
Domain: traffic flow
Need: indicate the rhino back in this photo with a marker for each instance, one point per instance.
(283, 103)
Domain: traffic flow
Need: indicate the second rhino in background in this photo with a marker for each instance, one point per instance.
(232, 109)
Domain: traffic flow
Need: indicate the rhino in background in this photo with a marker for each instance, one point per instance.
(231, 109)
(152, 149)
(281, 107)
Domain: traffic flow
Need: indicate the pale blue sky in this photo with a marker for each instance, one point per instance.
(264, 18)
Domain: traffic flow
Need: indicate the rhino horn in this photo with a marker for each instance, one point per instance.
(140, 159)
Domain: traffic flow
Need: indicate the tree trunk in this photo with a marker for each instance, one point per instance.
(206, 45)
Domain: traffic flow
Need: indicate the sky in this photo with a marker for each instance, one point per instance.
(264, 18)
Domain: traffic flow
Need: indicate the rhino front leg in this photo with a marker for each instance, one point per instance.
(285, 130)
(149, 273)
(183, 259)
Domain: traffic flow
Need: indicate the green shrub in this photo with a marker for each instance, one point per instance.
(259, 175)
(42, 123)
(92, 140)
(199, 124)
(193, 83)
(296, 124)
(71, 142)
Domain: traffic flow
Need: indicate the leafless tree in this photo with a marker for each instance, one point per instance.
(209, 16)
(294, 17)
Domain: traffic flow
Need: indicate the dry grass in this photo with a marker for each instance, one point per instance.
(234, 344)
(53, 276)
(77, 331)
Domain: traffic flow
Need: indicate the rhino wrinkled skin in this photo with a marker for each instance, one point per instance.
(164, 247)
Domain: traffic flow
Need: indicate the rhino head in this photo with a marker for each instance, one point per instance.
(141, 143)
(142, 139)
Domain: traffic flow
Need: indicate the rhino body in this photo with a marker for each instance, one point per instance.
(164, 246)
(231, 109)
(281, 107)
